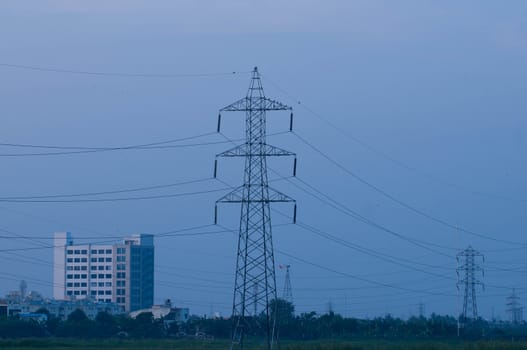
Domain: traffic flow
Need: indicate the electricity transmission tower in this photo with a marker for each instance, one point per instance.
(467, 270)
(288, 291)
(514, 308)
(255, 278)
(421, 309)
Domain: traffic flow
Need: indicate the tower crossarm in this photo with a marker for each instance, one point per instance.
(245, 150)
(236, 196)
(248, 104)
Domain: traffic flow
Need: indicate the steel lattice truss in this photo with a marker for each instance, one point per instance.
(288, 290)
(467, 271)
(514, 308)
(255, 280)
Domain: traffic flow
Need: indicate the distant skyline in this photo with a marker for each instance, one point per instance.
(424, 101)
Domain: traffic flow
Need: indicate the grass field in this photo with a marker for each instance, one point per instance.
(62, 344)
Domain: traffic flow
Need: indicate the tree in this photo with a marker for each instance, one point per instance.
(77, 316)
(106, 324)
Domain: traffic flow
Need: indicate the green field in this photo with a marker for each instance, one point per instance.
(28, 344)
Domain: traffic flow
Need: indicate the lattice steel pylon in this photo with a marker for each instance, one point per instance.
(514, 308)
(466, 271)
(255, 278)
(288, 290)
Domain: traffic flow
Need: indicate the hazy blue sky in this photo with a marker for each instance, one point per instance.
(436, 85)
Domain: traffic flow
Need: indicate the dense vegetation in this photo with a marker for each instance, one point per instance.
(305, 327)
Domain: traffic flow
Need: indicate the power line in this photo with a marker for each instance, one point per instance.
(81, 150)
(70, 150)
(382, 154)
(119, 74)
(161, 196)
(85, 194)
(173, 233)
(400, 202)
(355, 215)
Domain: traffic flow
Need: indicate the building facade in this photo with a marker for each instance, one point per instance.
(119, 273)
(62, 308)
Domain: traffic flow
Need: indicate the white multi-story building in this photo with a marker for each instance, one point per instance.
(119, 273)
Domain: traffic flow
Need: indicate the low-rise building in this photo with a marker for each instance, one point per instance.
(63, 308)
(166, 312)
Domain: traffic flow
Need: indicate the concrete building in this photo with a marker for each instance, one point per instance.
(167, 312)
(119, 273)
(3, 309)
(62, 308)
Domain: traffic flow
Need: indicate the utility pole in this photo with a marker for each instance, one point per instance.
(288, 291)
(467, 270)
(514, 308)
(255, 267)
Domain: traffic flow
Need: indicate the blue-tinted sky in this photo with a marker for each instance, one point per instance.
(437, 86)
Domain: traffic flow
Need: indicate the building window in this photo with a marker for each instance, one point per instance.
(121, 266)
(93, 292)
(77, 260)
(84, 268)
(69, 268)
(94, 251)
(108, 275)
(93, 284)
(121, 250)
(108, 292)
(108, 284)
(93, 275)
(70, 251)
(100, 292)
(84, 260)
(77, 268)
(101, 251)
(84, 251)
(108, 251)
(77, 251)
(108, 267)
(101, 259)
(76, 284)
(76, 292)
(121, 258)
(93, 259)
(76, 276)
(70, 284)
(93, 268)
(101, 284)
(101, 268)
(83, 292)
(69, 292)
(84, 284)
(101, 275)
(108, 259)
(84, 276)
(70, 260)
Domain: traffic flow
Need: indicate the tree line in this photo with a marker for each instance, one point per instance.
(305, 326)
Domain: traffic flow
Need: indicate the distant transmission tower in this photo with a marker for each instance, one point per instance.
(466, 271)
(421, 309)
(514, 308)
(255, 281)
(288, 291)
